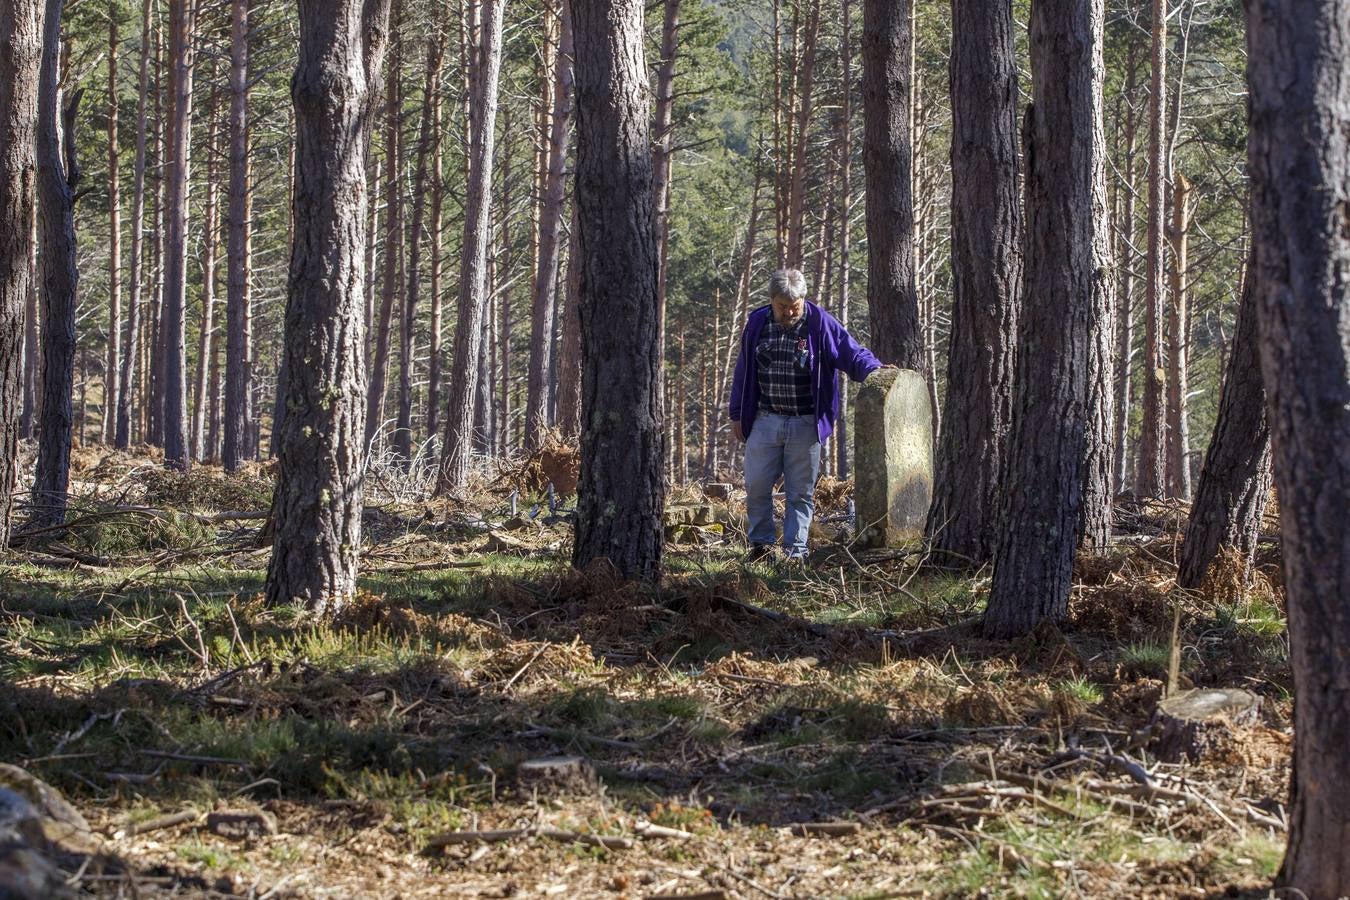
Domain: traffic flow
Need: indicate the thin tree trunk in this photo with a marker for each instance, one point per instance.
(845, 219)
(987, 272)
(132, 349)
(1126, 258)
(210, 239)
(1149, 480)
(239, 424)
(621, 494)
(403, 438)
(393, 239)
(663, 151)
(174, 314)
(58, 173)
(466, 370)
(1235, 480)
(437, 205)
(1298, 101)
(801, 132)
(152, 405)
(320, 481)
(1064, 270)
(21, 37)
(109, 424)
(544, 302)
(1178, 348)
(32, 357)
(568, 413)
(897, 336)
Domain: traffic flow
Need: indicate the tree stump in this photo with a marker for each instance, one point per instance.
(1192, 723)
(556, 775)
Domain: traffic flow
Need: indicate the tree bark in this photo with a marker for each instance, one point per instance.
(109, 423)
(544, 302)
(1235, 480)
(32, 358)
(403, 436)
(127, 375)
(987, 270)
(897, 336)
(621, 494)
(393, 235)
(58, 174)
(437, 205)
(845, 218)
(21, 36)
(210, 240)
(568, 412)
(806, 72)
(663, 151)
(239, 425)
(485, 69)
(1149, 480)
(1178, 348)
(320, 481)
(1125, 299)
(1298, 78)
(173, 326)
(1064, 273)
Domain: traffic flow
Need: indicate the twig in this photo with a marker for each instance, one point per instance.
(201, 760)
(826, 829)
(521, 671)
(157, 824)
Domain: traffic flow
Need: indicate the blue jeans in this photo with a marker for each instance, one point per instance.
(787, 446)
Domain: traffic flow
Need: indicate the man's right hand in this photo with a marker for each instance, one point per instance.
(736, 430)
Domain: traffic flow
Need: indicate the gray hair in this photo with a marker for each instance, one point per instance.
(789, 284)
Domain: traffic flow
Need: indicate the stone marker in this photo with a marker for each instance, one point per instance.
(892, 457)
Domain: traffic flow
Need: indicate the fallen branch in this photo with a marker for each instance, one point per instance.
(159, 823)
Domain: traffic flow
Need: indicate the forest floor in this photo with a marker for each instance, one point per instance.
(837, 730)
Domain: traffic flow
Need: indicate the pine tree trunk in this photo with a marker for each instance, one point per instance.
(1149, 481)
(174, 314)
(987, 272)
(466, 371)
(393, 239)
(1064, 270)
(1298, 78)
(239, 424)
(663, 150)
(1178, 348)
(109, 423)
(403, 437)
(1126, 259)
(846, 219)
(21, 36)
(1235, 480)
(544, 302)
(210, 239)
(621, 494)
(892, 300)
(57, 176)
(32, 357)
(320, 481)
(805, 74)
(568, 413)
(131, 350)
(153, 363)
(434, 341)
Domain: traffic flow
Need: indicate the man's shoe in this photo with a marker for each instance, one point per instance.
(758, 552)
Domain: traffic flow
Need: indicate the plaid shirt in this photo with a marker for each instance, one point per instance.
(784, 364)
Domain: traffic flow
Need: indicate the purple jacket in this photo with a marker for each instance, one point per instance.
(832, 349)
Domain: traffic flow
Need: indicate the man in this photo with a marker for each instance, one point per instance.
(784, 403)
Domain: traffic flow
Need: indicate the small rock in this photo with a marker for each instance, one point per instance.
(240, 824)
(717, 490)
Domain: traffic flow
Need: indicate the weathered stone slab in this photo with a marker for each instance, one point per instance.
(892, 457)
